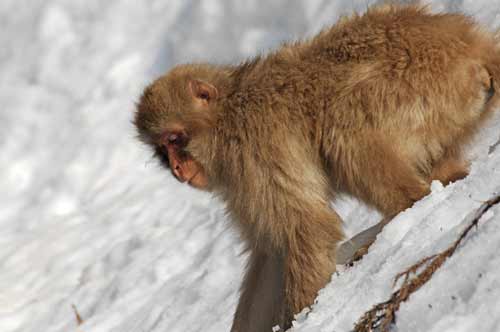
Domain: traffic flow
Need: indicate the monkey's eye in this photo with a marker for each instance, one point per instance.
(178, 139)
(174, 139)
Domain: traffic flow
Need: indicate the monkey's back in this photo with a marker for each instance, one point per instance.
(402, 78)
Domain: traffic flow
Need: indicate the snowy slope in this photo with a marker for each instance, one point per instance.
(88, 219)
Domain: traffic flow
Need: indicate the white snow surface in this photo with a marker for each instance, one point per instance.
(87, 218)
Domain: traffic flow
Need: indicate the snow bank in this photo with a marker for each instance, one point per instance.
(88, 219)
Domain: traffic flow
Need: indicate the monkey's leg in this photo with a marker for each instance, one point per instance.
(261, 294)
(450, 169)
(391, 185)
(387, 180)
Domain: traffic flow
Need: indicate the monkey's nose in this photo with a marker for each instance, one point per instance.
(177, 170)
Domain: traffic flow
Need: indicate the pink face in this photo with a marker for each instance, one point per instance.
(160, 120)
(183, 166)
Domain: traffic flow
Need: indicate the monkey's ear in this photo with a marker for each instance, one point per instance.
(203, 92)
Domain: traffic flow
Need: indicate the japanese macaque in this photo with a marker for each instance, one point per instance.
(376, 106)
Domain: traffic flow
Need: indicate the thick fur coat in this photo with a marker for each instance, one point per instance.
(377, 106)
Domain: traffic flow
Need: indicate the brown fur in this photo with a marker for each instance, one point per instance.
(376, 106)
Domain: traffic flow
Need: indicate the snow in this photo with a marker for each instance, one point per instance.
(87, 218)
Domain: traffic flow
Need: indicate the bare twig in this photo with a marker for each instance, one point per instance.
(494, 147)
(79, 319)
(382, 315)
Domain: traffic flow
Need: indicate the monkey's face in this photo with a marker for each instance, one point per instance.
(173, 154)
(171, 112)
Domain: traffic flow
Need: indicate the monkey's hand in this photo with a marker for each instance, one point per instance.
(356, 247)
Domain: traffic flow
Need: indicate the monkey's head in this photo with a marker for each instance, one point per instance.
(173, 113)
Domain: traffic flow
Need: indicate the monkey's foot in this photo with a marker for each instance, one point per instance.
(359, 254)
(355, 248)
(355, 256)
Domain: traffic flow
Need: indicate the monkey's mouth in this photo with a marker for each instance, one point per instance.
(193, 178)
(199, 179)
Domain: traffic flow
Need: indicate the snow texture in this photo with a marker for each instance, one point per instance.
(87, 218)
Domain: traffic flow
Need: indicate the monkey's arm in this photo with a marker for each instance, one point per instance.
(281, 281)
(292, 232)
(261, 294)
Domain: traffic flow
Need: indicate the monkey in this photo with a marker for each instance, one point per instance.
(376, 106)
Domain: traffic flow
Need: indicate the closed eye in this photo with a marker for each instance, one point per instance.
(178, 139)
